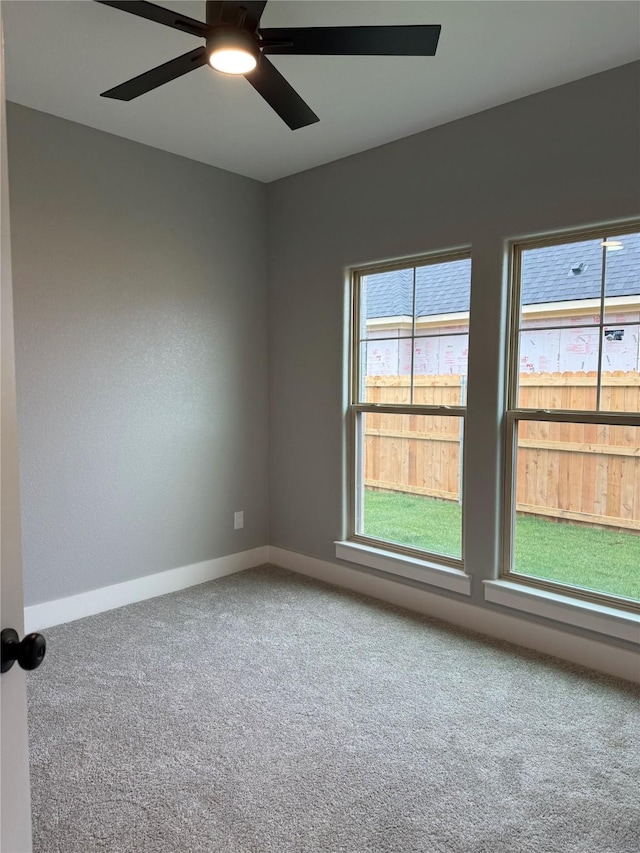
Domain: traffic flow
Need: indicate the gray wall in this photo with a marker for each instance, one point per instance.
(140, 305)
(564, 158)
(141, 334)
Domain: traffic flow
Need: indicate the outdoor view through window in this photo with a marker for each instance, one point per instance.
(572, 520)
(576, 506)
(411, 361)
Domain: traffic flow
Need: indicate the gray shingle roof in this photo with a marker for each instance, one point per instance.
(546, 277)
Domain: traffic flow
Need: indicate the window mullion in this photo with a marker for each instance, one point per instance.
(413, 331)
(407, 409)
(601, 325)
(580, 417)
(513, 375)
(356, 351)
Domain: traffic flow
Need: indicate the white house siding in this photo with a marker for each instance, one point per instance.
(443, 349)
(575, 347)
(548, 350)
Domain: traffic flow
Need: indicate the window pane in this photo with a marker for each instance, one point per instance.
(440, 370)
(620, 390)
(386, 304)
(622, 280)
(559, 369)
(385, 371)
(561, 285)
(621, 336)
(443, 355)
(410, 481)
(432, 298)
(578, 505)
(443, 289)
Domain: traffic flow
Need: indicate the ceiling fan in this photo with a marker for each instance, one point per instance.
(236, 44)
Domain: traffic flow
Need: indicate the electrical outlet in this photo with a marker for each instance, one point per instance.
(238, 519)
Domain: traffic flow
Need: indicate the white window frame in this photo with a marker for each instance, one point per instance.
(359, 547)
(514, 414)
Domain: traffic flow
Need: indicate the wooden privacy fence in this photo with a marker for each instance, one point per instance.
(584, 473)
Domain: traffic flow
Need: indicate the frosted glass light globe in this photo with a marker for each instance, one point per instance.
(232, 50)
(232, 61)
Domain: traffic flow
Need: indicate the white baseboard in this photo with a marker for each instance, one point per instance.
(601, 656)
(588, 652)
(39, 616)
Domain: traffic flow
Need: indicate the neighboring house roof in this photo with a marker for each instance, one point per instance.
(547, 276)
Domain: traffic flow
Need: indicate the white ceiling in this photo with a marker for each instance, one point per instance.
(60, 54)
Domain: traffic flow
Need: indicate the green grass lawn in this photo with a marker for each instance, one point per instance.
(601, 560)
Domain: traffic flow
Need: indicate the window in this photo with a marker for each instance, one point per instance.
(573, 419)
(407, 408)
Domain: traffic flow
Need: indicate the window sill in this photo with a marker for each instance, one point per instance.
(562, 608)
(411, 568)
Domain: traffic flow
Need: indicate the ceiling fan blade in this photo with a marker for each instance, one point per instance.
(160, 15)
(411, 40)
(269, 82)
(157, 76)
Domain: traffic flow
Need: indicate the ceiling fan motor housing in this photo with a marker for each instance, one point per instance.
(231, 38)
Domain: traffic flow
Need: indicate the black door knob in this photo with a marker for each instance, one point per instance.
(29, 653)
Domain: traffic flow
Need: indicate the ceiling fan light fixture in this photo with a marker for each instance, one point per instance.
(237, 44)
(232, 51)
